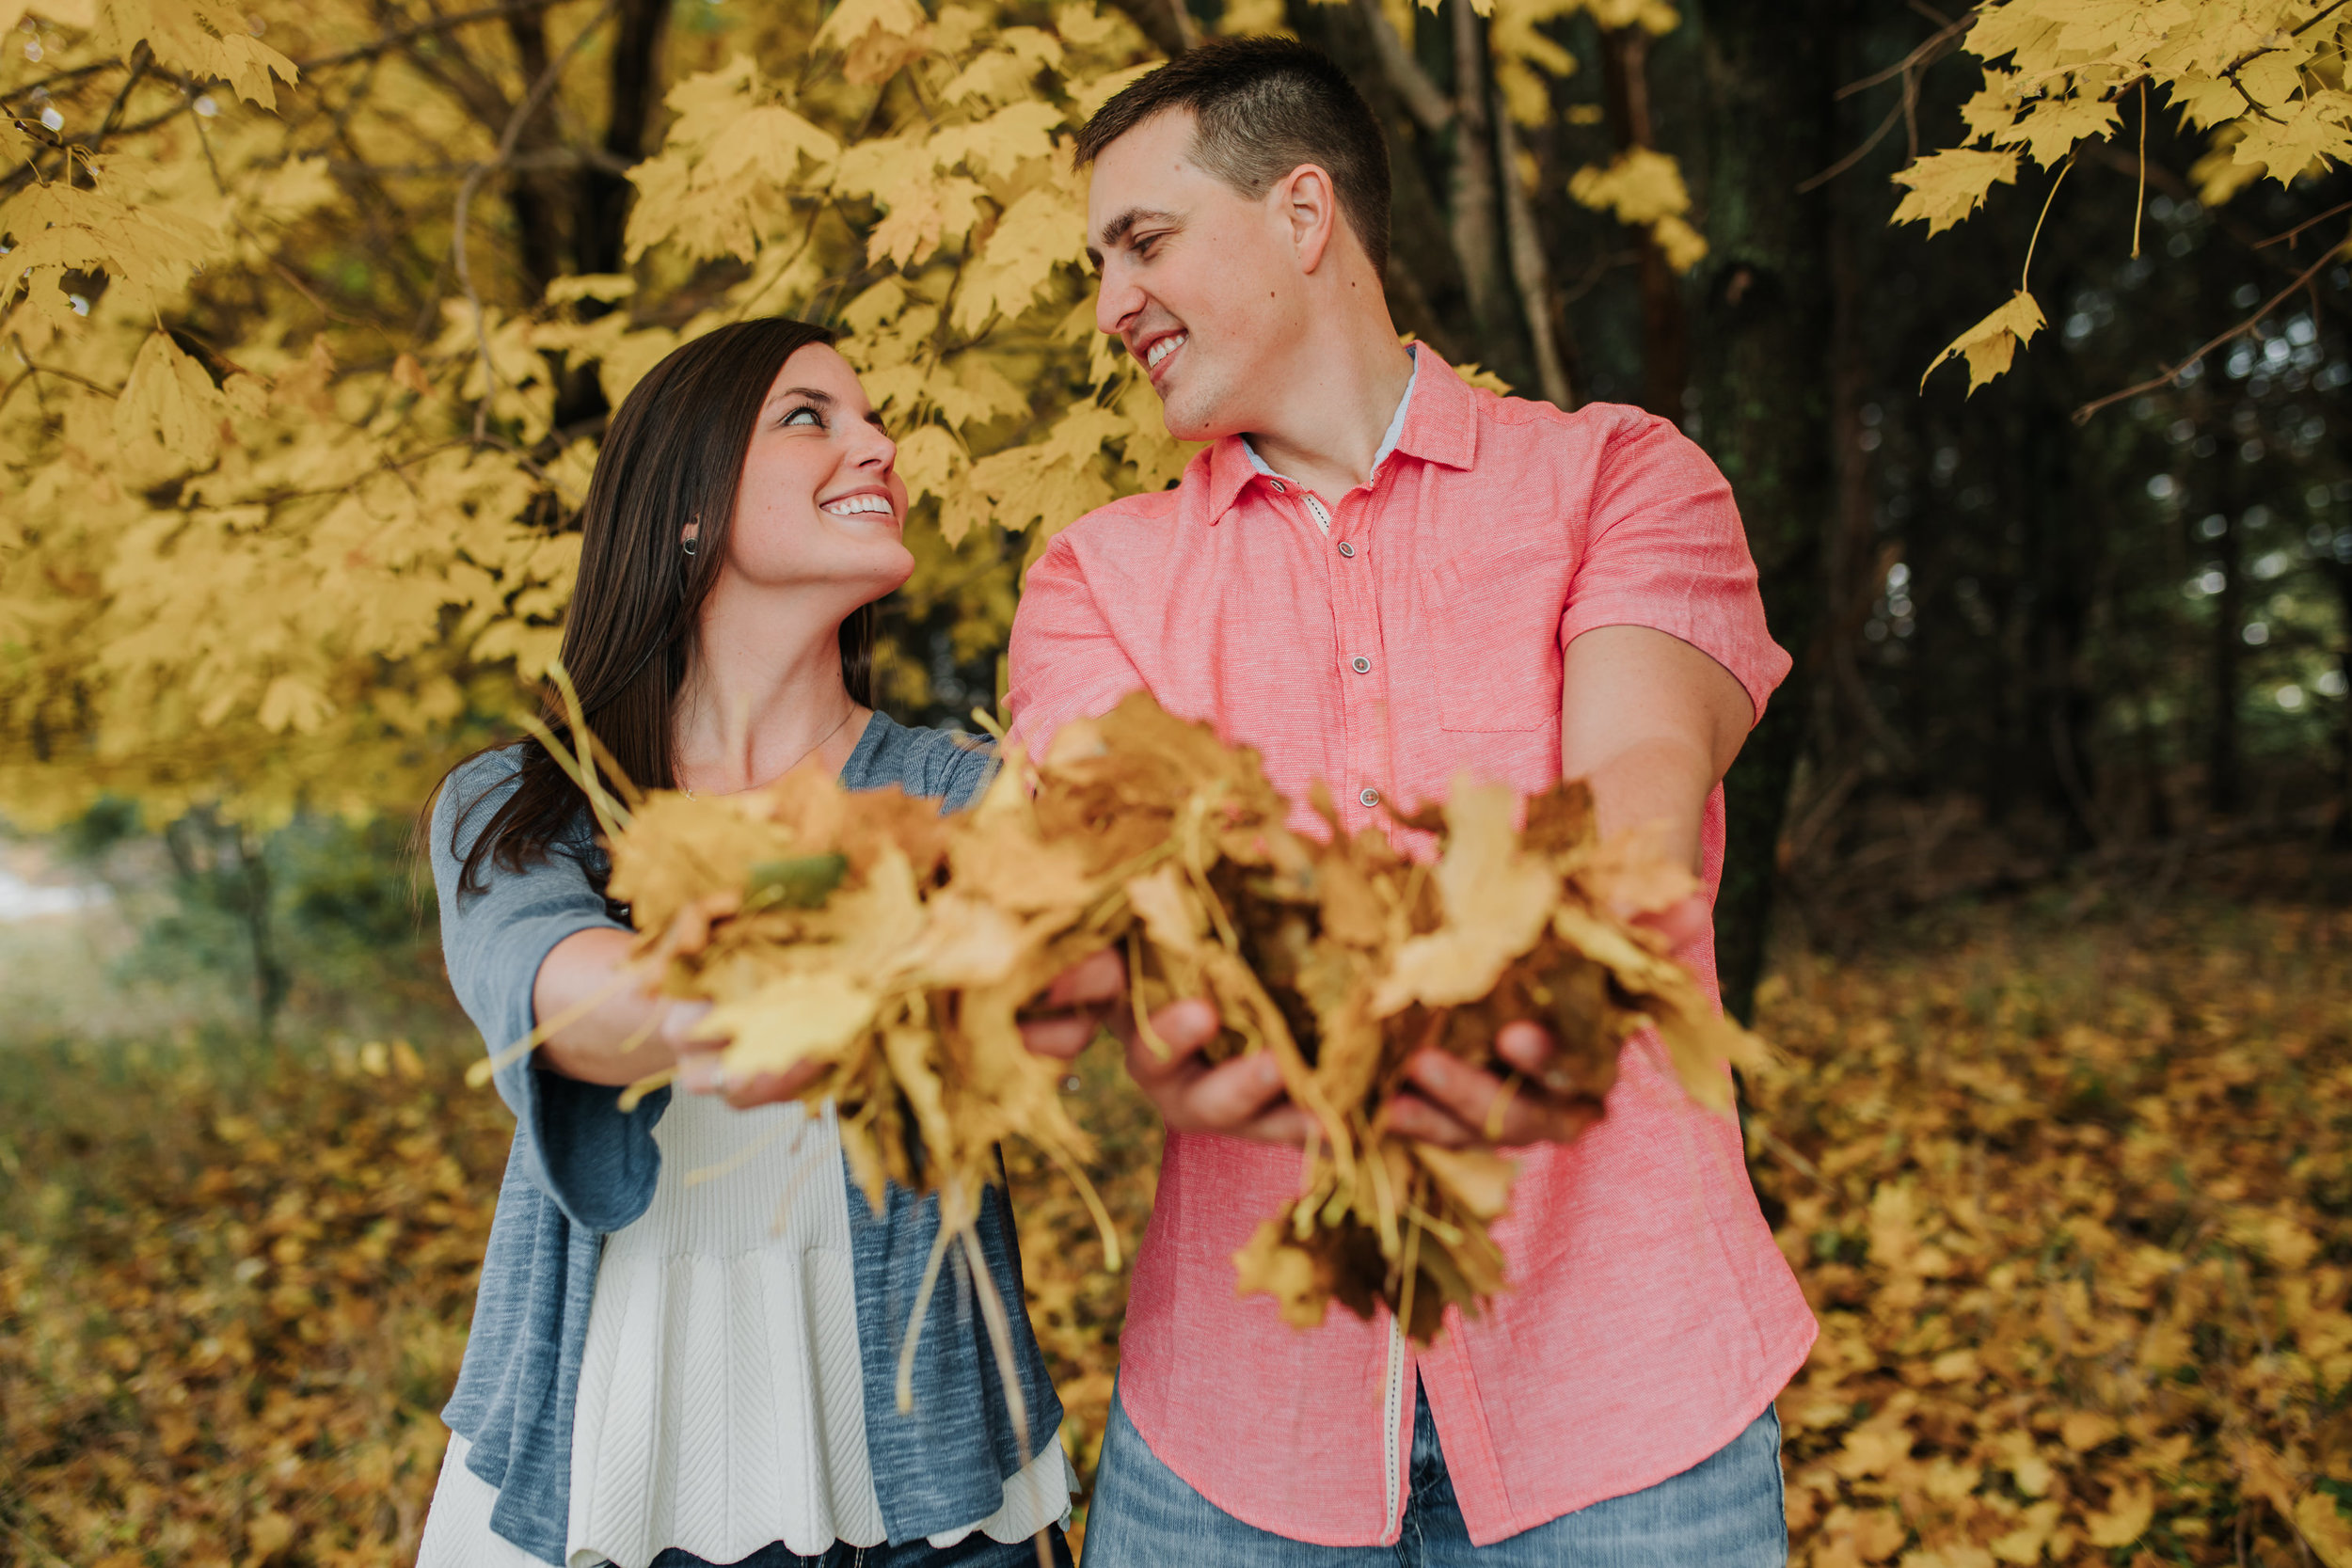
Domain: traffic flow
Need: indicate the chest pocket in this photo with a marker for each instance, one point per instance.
(1496, 633)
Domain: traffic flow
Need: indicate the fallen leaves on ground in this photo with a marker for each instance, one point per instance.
(2074, 1202)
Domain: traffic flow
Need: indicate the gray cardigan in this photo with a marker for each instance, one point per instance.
(581, 1169)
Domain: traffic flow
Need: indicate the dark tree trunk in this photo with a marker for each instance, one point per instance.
(1665, 325)
(1764, 323)
(2225, 780)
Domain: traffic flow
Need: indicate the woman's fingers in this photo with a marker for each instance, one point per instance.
(768, 1088)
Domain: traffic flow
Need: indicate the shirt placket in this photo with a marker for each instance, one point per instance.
(1364, 664)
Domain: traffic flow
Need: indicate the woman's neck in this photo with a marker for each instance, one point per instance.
(765, 693)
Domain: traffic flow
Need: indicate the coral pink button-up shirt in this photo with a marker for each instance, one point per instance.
(1650, 1317)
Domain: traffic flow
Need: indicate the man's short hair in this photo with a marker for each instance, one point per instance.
(1263, 107)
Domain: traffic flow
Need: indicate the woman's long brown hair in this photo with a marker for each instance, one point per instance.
(672, 457)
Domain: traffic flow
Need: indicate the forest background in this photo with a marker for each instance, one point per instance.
(313, 316)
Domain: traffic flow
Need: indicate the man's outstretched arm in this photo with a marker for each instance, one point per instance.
(1652, 724)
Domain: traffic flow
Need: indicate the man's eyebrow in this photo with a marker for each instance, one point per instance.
(1121, 226)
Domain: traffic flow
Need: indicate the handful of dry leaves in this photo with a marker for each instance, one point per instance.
(895, 946)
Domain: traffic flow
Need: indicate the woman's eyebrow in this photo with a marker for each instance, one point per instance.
(812, 393)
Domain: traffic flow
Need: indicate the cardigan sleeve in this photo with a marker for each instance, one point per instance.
(596, 1163)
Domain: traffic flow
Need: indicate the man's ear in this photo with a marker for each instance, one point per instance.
(1305, 200)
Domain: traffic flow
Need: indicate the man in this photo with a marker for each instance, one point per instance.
(1380, 577)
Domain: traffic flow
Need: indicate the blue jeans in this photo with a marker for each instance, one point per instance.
(1725, 1511)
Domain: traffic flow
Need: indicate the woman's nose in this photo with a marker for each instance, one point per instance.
(875, 448)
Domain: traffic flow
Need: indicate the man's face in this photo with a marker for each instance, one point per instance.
(1199, 282)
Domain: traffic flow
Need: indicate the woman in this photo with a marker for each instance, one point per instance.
(663, 1372)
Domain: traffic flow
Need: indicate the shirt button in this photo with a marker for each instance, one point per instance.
(1277, 488)
(1362, 665)
(1347, 550)
(1370, 797)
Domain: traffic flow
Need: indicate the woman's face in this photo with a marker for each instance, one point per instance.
(819, 502)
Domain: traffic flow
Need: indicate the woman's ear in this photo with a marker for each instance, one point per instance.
(690, 536)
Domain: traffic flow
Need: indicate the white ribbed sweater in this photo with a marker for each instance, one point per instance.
(721, 1402)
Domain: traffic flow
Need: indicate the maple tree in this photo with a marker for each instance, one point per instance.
(292, 447)
(2262, 79)
(312, 314)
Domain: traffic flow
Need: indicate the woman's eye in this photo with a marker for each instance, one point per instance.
(803, 414)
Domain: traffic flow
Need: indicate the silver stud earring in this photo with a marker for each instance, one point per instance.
(688, 544)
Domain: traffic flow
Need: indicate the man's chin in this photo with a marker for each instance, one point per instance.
(1195, 418)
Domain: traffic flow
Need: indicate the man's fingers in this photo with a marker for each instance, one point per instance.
(1183, 1027)
(1063, 1035)
(1526, 1045)
(1229, 1097)
(1682, 923)
(1088, 982)
(1408, 1116)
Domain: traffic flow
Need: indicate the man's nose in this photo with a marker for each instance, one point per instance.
(1116, 298)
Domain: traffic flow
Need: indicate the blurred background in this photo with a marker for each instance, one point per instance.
(2039, 862)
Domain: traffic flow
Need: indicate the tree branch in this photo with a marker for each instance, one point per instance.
(2083, 415)
(423, 29)
(523, 111)
(1422, 98)
(1529, 270)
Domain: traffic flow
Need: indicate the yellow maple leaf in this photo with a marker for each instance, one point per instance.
(170, 402)
(2130, 1508)
(1946, 188)
(1993, 342)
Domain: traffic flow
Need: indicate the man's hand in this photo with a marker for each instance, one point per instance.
(1242, 1097)
(1456, 1105)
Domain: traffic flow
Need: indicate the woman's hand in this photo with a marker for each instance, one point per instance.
(700, 1071)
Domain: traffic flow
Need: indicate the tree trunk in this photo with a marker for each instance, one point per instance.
(1766, 317)
(1666, 326)
(1475, 214)
(2225, 781)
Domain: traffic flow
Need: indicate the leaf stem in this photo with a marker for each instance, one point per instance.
(2140, 205)
(2025, 278)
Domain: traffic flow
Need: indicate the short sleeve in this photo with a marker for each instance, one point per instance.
(1663, 548)
(594, 1160)
(1064, 661)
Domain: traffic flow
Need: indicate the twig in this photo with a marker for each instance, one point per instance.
(1919, 56)
(1426, 101)
(1906, 108)
(1814, 183)
(512, 133)
(2082, 415)
(438, 24)
(2291, 236)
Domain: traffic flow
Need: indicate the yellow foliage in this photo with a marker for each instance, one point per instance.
(284, 515)
(1991, 344)
(1643, 188)
(2264, 77)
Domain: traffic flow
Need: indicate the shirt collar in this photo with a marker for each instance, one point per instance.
(1388, 437)
(1436, 420)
